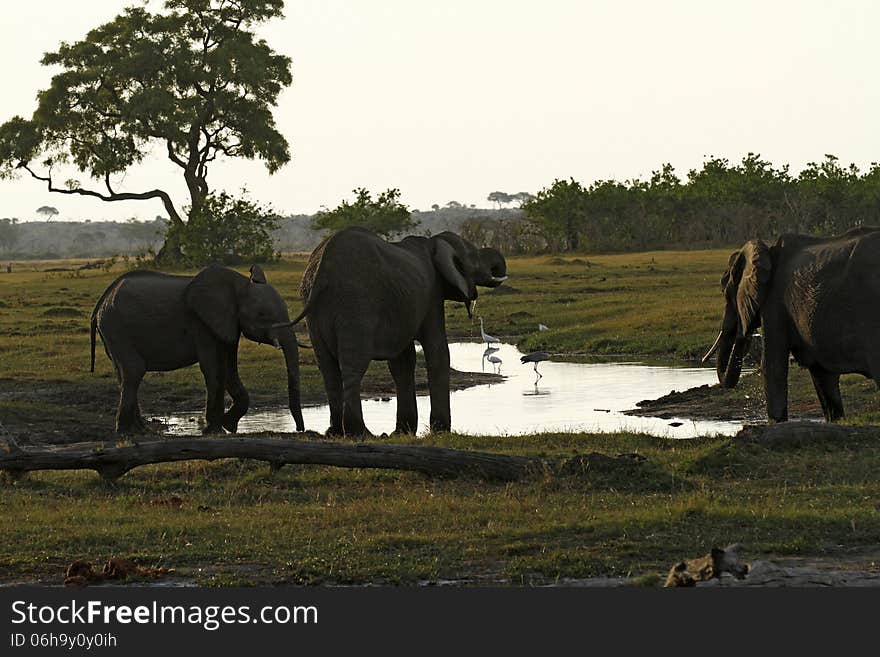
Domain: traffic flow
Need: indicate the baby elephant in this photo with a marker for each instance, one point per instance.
(154, 322)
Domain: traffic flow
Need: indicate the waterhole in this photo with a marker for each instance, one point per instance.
(569, 396)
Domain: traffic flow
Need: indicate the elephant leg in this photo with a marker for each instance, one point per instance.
(827, 386)
(139, 420)
(130, 373)
(402, 370)
(774, 367)
(236, 390)
(212, 362)
(332, 377)
(352, 414)
(437, 360)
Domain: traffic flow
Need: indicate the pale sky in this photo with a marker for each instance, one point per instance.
(453, 100)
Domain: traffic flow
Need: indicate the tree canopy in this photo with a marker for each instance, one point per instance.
(47, 211)
(385, 216)
(194, 80)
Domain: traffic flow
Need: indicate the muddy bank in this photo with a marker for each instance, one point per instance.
(703, 403)
(746, 402)
(61, 412)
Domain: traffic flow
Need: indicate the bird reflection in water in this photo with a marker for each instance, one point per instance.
(536, 391)
(488, 355)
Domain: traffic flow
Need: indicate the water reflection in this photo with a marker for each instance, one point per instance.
(569, 397)
(536, 392)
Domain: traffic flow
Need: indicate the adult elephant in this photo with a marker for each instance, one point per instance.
(368, 299)
(149, 321)
(817, 299)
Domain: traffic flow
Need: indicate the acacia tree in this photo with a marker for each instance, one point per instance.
(47, 211)
(194, 80)
(499, 198)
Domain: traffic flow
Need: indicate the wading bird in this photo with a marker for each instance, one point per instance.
(488, 339)
(489, 351)
(535, 357)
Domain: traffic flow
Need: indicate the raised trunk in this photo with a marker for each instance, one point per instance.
(287, 339)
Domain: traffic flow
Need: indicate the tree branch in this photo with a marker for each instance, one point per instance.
(173, 156)
(111, 195)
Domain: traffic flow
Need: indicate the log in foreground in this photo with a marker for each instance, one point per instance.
(113, 460)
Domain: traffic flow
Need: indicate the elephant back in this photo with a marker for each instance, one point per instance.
(311, 270)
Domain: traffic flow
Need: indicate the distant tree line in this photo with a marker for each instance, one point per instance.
(48, 240)
(720, 204)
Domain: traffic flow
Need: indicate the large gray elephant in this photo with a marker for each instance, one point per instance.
(817, 299)
(149, 321)
(368, 299)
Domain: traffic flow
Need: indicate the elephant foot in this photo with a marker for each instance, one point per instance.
(405, 428)
(134, 426)
(333, 432)
(230, 424)
(212, 429)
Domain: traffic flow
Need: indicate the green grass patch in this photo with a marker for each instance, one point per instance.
(238, 522)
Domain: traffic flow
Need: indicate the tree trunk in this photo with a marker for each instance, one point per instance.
(170, 253)
(112, 461)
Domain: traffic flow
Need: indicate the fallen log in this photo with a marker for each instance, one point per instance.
(111, 461)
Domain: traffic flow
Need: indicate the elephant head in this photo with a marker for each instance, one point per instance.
(230, 304)
(745, 285)
(462, 267)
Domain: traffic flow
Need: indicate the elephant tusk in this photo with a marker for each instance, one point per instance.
(713, 349)
(499, 279)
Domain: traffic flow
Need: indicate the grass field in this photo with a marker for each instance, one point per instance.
(239, 522)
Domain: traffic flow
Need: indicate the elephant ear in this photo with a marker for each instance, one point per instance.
(754, 284)
(731, 273)
(444, 262)
(257, 275)
(212, 297)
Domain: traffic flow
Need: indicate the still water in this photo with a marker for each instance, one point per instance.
(569, 397)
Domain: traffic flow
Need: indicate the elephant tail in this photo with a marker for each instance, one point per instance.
(305, 311)
(92, 330)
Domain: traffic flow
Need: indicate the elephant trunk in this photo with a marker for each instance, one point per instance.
(287, 340)
(730, 358)
(731, 348)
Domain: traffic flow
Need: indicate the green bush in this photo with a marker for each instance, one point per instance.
(227, 230)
